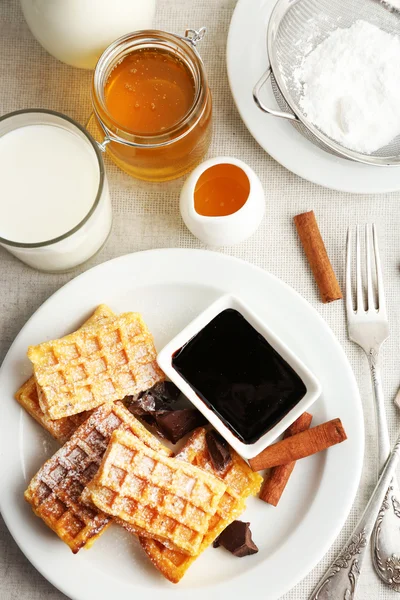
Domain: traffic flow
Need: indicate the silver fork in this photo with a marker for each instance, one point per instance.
(368, 327)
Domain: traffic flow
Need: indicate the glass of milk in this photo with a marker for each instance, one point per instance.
(55, 208)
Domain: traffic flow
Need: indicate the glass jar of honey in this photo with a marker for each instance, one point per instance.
(152, 104)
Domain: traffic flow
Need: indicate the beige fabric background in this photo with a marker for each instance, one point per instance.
(147, 216)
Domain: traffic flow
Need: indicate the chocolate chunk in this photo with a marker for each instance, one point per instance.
(140, 408)
(166, 391)
(237, 539)
(219, 451)
(159, 398)
(150, 404)
(156, 407)
(177, 423)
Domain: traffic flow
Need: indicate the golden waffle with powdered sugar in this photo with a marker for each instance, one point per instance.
(27, 395)
(166, 498)
(55, 491)
(241, 482)
(95, 365)
(60, 429)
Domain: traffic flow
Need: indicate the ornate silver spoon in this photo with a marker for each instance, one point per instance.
(340, 581)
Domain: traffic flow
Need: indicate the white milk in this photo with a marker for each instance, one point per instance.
(49, 180)
(78, 31)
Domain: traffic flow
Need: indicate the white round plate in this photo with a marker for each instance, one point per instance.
(247, 60)
(170, 287)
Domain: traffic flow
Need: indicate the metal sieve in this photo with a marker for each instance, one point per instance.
(295, 28)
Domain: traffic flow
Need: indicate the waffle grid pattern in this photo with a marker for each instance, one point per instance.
(95, 365)
(27, 395)
(241, 482)
(60, 429)
(167, 498)
(55, 491)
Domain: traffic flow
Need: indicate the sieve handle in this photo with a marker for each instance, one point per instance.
(256, 96)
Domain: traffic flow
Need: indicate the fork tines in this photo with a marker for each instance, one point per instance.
(368, 270)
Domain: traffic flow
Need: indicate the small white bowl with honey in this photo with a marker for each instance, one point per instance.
(222, 202)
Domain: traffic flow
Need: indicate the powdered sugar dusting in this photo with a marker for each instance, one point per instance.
(351, 87)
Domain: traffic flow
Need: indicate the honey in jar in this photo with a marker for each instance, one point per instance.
(221, 190)
(149, 91)
(151, 99)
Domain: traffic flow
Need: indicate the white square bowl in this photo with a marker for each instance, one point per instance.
(313, 388)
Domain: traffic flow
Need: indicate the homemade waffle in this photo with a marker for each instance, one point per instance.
(27, 395)
(54, 492)
(166, 498)
(101, 314)
(28, 398)
(95, 365)
(61, 429)
(241, 482)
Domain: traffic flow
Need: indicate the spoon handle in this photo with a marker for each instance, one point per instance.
(385, 541)
(340, 581)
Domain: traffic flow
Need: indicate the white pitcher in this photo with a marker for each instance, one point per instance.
(77, 31)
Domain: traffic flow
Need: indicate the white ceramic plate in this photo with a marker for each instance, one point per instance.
(247, 60)
(170, 287)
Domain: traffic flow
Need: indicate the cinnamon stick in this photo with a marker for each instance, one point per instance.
(275, 483)
(300, 445)
(317, 256)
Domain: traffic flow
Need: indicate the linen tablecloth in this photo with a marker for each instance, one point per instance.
(147, 216)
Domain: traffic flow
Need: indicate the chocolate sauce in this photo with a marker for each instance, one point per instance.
(239, 376)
